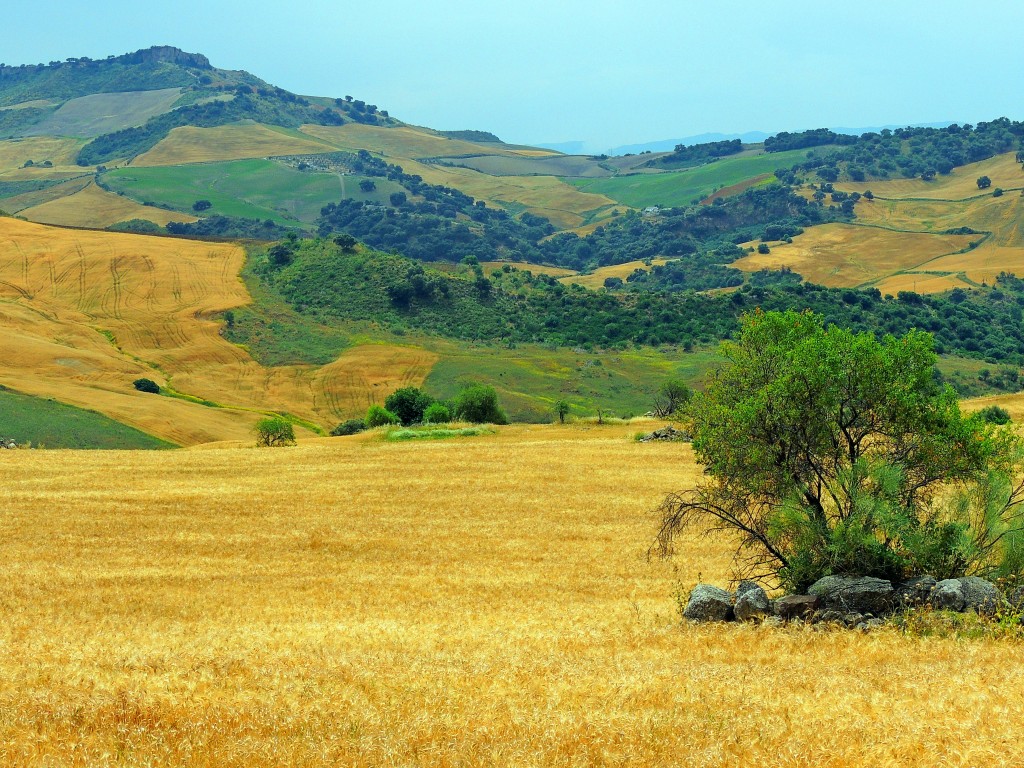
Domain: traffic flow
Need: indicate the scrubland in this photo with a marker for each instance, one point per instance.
(483, 601)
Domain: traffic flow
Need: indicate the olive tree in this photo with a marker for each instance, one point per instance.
(829, 452)
(274, 432)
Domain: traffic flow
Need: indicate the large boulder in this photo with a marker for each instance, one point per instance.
(796, 606)
(916, 591)
(854, 594)
(751, 602)
(948, 595)
(980, 595)
(708, 603)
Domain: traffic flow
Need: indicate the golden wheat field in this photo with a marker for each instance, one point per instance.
(1003, 170)
(595, 279)
(95, 207)
(188, 144)
(85, 313)
(473, 602)
(848, 254)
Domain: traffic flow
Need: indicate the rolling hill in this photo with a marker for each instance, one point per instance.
(160, 140)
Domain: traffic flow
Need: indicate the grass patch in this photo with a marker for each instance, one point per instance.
(435, 433)
(681, 188)
(49, 424)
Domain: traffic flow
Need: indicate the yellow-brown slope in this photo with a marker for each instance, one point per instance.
(83, 314)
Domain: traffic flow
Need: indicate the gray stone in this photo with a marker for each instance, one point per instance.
(980, 595)
(860, 594)
(708, 603)
(916, 591)
(747, 586)
(751, 603)
(948, 595)
(874, 623)
(773, 621)
(796, 606)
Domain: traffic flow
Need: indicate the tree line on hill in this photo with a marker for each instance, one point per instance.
(332, 281)
(904, 153)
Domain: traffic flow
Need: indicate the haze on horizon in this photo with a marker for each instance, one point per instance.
(604, 72)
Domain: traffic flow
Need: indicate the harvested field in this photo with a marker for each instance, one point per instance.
(920, 282)
(61, 152)
(409, 142)
(470, 602)
(86, 313)
(101, 113)
(962, 183)
(228, 142)
(596, 279)
(537, 269)
(95, 207)
(850, 255)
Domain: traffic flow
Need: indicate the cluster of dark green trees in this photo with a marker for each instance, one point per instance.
(905, 152)
(699, 153)
(330, 282)
(408, 406)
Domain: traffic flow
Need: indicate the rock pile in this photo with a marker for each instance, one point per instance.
(857, 602)
(667, 434)
(7, 443)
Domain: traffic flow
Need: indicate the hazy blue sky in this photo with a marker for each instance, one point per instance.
(601, 71)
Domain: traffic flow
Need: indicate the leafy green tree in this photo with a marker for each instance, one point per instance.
(994, 414)
(562, 409)
(408, 404)
(479, 404)
(201, 205)
(437, 413)
(274, 432)
(830, 452)
(367, 185)
(984, 182)
(348, 427)
(671, 396)
(379, 416)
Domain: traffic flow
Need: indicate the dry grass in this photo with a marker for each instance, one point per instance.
(848, 255)
(227, 142)
(62, 290)
(920, 282)
(596, 279)
(408, 142)
(962, 183)
(473, 602)
(61, 152)
(537, 269)
(95, 207)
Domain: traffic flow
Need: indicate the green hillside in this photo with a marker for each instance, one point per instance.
(245, 188)
(683, 188)
(49, 424)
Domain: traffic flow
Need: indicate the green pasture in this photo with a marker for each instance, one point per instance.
(260, 189)
(681, 188)
(49, 424)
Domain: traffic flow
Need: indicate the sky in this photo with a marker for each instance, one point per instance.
(603, 72)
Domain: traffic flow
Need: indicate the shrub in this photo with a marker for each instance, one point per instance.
(274, 432)
(379, 416)
(479, 404)
(349, 427)
(830, 452)
(437, 413)
(146, 385)
(994, 414)
(408, 404)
